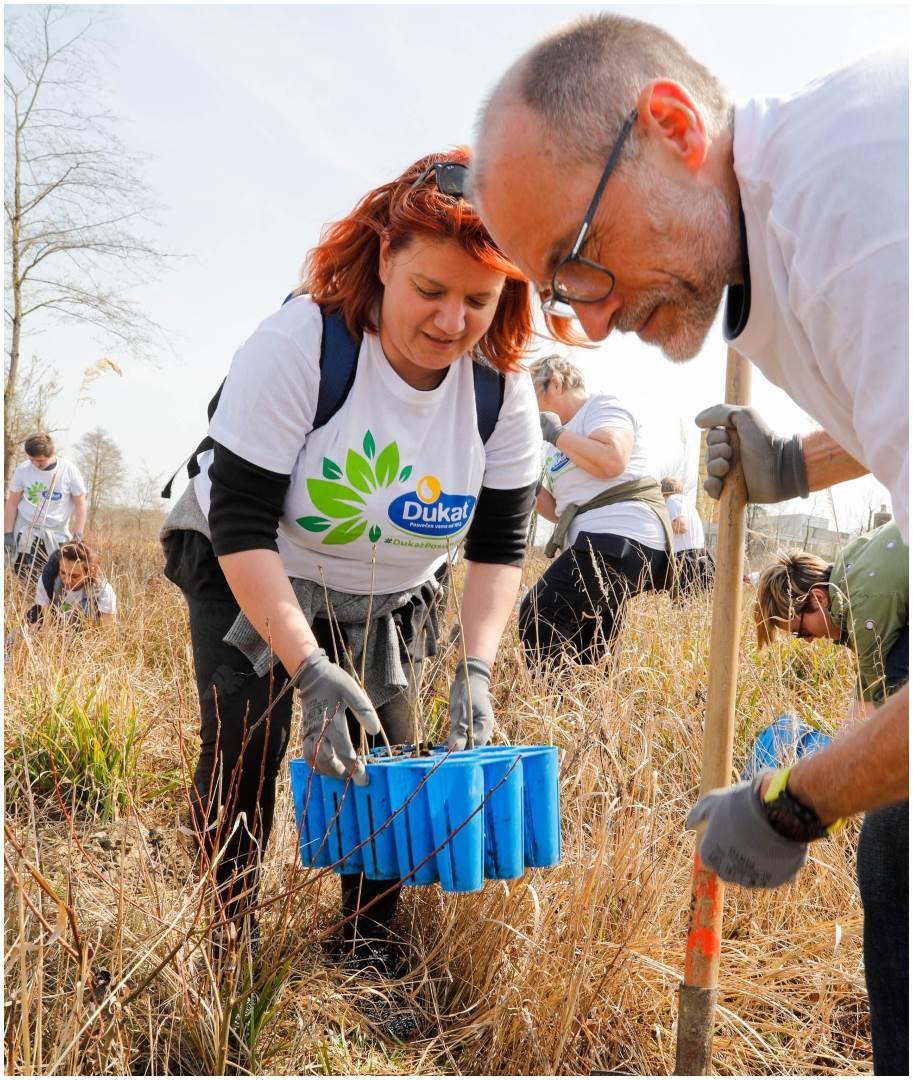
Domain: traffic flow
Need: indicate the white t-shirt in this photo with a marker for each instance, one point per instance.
(693, 537)
(47, 497)
(824, 186)
(105, 601)
(569, 483)
(396, 471)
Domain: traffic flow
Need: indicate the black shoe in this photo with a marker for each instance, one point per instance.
(371, 959)
(395, 1021)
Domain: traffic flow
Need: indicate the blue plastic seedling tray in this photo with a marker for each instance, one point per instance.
(453, 818)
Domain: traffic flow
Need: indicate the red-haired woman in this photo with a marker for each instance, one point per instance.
(316, 546)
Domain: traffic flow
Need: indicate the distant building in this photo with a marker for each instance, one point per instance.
(768, 533)
(882, 517)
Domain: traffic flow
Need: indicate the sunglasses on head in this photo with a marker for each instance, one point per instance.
(450, 177)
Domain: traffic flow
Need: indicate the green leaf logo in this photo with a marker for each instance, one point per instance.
(34, 492)
(334, 500)
(387, 465)
(346, 500)
(359, 473)
(346, 532)
(314, 524)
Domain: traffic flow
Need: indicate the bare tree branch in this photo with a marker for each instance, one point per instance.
(76, 205)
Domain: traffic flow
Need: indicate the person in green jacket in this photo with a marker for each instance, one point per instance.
(860, 601)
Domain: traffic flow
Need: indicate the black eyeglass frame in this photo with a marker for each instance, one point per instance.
(574, 256)
(808, 608)
(439, 168)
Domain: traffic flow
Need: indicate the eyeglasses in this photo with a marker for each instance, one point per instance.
(450, 177)
(801, 632)
(576, 279)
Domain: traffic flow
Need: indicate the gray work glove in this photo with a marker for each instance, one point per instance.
(473, 678)
(9, 544)
(551, 427)
(774, 467)
(326, 692)
(739, 843)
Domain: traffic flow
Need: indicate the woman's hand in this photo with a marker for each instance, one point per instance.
(470, 701)
(326, 692)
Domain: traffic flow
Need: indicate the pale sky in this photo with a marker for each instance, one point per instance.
(263, 123)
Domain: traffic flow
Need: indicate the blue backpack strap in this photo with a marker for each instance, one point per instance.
(338, 363)
(488, 385)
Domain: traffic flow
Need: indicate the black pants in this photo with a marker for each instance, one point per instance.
(29, 564)
(883, 872)
(882, 867)
(244, 734)
(577, 606)
(694, 572)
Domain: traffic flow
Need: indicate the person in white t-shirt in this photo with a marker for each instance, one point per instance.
(324, 540)
(694, 568)
(73, 586)
(45, 493)
(596, 450)
(615, 171)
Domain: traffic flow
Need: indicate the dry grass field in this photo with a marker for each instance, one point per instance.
(567, 970)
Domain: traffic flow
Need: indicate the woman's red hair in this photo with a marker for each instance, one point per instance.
(341, 273)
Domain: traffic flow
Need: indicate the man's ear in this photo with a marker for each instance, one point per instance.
(667, 112)
(822, 596)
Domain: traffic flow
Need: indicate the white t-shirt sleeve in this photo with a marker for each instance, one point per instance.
(41, 594)
(513, 452)
(606, 411)
(75, 482)
(675, 507)
(106, 600)
(17, 482)
(267, 405)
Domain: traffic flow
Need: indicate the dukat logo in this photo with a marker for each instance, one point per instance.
(426, 512)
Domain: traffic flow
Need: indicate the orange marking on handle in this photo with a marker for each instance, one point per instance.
(703, 948)
(705, 940)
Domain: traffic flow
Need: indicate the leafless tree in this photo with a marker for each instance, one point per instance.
(78, 213)
(38, 386)
(102, 465)
(144, 494)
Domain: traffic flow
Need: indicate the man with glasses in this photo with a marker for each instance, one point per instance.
(616, 173)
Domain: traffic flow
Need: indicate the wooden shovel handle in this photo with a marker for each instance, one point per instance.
(697, 994)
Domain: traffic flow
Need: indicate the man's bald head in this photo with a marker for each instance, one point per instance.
(582, 81)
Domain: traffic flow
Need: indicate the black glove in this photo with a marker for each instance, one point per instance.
(326, 692)
(774, 467)
(551, 427)
(9, 544)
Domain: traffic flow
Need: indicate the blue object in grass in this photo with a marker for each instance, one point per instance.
(781, 743)
(456, 818)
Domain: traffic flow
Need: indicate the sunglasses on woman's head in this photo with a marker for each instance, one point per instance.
(450, 177)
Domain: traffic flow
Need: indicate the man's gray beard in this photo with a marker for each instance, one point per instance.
(695, 317)
(702, 220)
